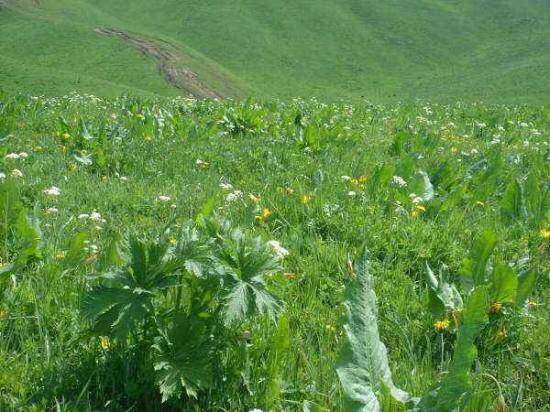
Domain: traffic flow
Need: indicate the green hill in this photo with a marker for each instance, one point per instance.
(442, 50)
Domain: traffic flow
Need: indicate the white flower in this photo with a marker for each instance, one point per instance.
(255, 410)
(345, 178)
(123, 179)
(16, 173)
(226, 186)
(163, 198)
(416, 200)
(23, 155)
(52, 191)
(173, 206)
(12, 156)
(231, 197)
(52, 211)
(480, 125)
(398, 181)
(276, 247)
(474, 152)
(523, 124)
(83, 216)
(94, 216)
(352, 193)
(2, 176)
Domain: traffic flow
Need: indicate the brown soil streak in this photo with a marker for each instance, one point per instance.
(169, 61)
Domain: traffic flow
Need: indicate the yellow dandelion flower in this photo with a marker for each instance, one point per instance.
(289, 276)
(362, 179)
(418, 210)
(442, 325)
(480, 204)
(104, 342)
(454, 150)
(305, 199)
(266, 213)
(140, 116)
(72, 167)
(495, 307)
(3, 314)
(60, 255)
(254, 198)
(148, 138)
(173, 241)
(545, 233)
(66, 136)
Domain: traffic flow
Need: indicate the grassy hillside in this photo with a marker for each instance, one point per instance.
(443, 50)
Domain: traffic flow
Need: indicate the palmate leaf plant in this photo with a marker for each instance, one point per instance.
(363, 366)
(176, 297)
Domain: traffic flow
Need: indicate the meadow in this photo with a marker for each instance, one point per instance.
(178, 254)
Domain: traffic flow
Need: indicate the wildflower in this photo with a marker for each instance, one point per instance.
(2, 176)
(16, 173)
(72, 167)
(163, 198)
(305, 199)
(330, 328)
(96, 217)
(23, 155)
(362, 179)
(173, 206)
(140, 116)
(345, 178)
(288, 191)
(289, 276)
(123, 179)
(83, 216)
(148, 138)
(226, 186)
(201, 164)
(3, 314)
(474, 152)
(454, 150)
(352, 193)
(254, 198)
(415, 199)
(495, 307)
(266, 213)
(52, 191)
(38, 148)
(442, 325)
(104, 342)
(52, 211)
(255, 410)
(279, 251)
(398, 181)
(60, 255)
(235, 195)
(545, 233)
(12, 156)
(418, 210)
(479, 203)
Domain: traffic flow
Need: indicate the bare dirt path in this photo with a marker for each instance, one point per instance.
(170, 61)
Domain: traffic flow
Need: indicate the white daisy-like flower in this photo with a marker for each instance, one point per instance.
(52, 191)
(2, 176)
(235, 195)
(83, 216)
(16, 173)
(474, 152)
(173, 206)
(279, 251)
(398, 181)
(123, 179)
(352, 193)
(94, 216)
(23, 155)
(12, 156)
(226, 186)
(52, 211)
(163, 198)
(345, 178)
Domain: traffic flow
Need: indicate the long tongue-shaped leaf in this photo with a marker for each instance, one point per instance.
(363, 366)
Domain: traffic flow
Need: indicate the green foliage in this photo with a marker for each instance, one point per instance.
(363, 367)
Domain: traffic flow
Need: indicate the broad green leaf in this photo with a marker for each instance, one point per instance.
(457, 383)
(475, 267)
(511, 206)
(526, 284)
(183, 357)
(444, 296)
(504, 284)
(428, 193)
(276, 358)
(363, 366)
(77, 251)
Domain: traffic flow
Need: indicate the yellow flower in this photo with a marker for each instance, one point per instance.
(495, 307)
(545, 233)
(104, 178)
(72, 167)
(305, 199)
(148, 138)
(104, 342)
(38, 148)
(442, 325)
(480, 204)
(60, 255)
(362, 179)
(266, 213)
(66, 136)
(173, 241)
(140, 116)
(254, 198)
(289, 276)
(454, 150)
(418, 210)
(3, 314)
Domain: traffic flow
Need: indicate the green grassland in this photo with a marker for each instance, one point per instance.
(497, 51)
(326, 181)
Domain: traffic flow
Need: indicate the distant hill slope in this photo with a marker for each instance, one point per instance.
(495, 50)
